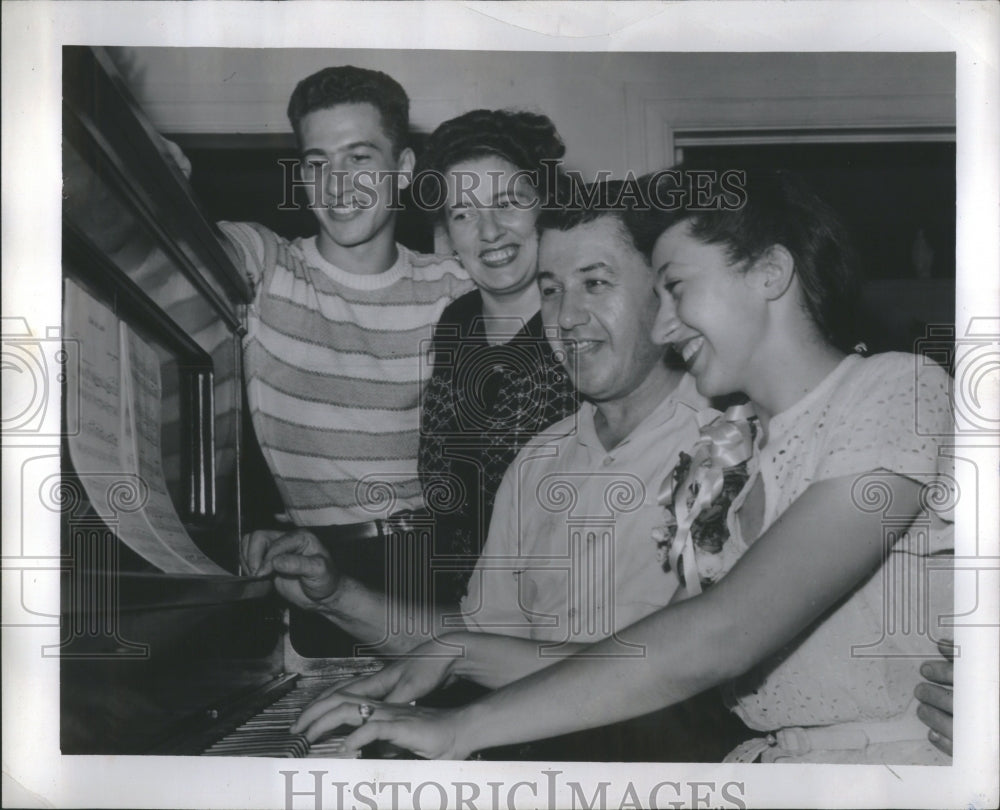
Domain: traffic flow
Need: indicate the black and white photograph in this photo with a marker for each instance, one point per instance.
(500, 404)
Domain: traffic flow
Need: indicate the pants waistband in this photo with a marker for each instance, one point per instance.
(410, 520)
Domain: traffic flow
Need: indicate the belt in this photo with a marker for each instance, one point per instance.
(409, 520)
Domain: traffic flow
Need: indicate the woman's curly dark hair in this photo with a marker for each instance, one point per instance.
(527, 140)
(774, 207)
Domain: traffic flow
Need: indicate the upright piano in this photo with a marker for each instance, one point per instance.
(186, 656)
(165, 648)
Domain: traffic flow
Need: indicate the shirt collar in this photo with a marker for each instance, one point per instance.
(357, 281)
(685, 396)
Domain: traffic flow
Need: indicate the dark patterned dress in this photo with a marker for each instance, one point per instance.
(481, 406)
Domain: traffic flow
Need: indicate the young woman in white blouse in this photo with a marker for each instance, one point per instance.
(837, 539)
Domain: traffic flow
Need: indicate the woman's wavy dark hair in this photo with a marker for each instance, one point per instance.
(777, 208)
(527, 140)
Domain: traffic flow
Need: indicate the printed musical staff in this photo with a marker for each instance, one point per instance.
(117, 453)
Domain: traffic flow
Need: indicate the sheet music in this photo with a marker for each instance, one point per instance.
(95, 328)
(141, 377)
(117, 452)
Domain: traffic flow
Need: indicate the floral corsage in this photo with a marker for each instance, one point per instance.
(701, 496)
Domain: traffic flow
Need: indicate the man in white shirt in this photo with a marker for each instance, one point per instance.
(569, 555)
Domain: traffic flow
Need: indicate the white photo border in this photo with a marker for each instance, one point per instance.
(36, 775)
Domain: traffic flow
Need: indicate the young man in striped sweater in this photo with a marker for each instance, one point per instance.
(339, 323)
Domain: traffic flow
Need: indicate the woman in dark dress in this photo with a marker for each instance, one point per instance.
(496, 382)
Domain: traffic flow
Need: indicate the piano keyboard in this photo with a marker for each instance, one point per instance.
(266, 733)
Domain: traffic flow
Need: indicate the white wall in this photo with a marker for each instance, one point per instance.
(616, 111)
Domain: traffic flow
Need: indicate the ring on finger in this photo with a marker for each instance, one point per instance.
(366, 710)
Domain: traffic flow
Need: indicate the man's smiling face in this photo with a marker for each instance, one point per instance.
(346, 149)
(599, 303)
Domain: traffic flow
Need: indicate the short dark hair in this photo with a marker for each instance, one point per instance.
(525, 139)
(573, 204)
(779, 208)
(347, 84)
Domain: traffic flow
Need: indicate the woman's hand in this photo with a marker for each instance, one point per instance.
(428, 733)
(936, 697)
(400, 682)
(334, 708)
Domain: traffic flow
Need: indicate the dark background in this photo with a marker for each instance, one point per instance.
(890, 196)
(897, 200)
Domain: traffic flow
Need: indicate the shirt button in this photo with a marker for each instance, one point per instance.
(608, 461)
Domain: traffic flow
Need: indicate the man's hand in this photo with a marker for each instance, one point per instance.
(935, 709)
(303, 570)
(176, 154)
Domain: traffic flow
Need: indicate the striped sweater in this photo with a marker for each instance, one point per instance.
(334, 365)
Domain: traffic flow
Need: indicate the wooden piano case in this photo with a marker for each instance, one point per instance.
(154, 662)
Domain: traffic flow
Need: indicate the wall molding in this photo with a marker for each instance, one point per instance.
(658, 123)
(218, 117)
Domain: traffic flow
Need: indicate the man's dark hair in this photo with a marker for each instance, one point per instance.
(573, 204)
(778, 208)
(353, 85)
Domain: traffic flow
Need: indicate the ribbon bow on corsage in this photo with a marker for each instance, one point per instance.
(698, 497)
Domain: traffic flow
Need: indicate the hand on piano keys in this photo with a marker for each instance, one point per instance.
(427, 733)
(268, 734)
(402, 681)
